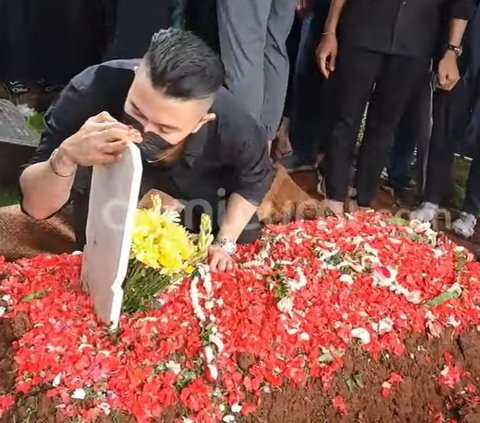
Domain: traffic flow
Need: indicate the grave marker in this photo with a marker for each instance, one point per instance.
(113, 202)
(17, 142)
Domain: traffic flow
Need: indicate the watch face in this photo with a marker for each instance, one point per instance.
(230, 247)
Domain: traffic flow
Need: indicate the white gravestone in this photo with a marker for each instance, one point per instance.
(113, 202)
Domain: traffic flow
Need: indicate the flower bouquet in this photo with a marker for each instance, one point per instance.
(163, 252)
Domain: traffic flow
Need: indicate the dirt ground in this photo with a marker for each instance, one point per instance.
(417, 398)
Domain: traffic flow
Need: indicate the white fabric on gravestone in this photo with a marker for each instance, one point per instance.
(113, 202)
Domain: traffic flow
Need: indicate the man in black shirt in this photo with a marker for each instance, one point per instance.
(196, 142)
(385, 46)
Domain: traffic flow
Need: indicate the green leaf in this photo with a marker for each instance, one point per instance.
(446, 296)
(325, 358)
(186, 377)
(281, 291)
(335, 260)
(398, 221)
(34, 296)
(461, 260)
(37, 122)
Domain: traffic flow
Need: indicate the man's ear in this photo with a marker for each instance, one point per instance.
(207, 118)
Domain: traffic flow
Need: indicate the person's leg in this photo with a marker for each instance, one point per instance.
(294, 45)
(472, 196)
(307, 111)
(276, 64)
(447, 111)
(414, 130)
(242, 28)
(465, 224)
(355, 74)
(281, 147)
(399, 78)
(137, 21)
(201, 19)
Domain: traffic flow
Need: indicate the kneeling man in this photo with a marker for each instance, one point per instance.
(196, 142)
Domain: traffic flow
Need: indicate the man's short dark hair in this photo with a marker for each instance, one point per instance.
(183, 66)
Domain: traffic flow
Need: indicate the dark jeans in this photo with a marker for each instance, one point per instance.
(308, 114)
(414, 130)
(450, 118)
(395, 79)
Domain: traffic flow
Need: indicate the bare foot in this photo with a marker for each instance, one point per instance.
(336, 207)
(354, 207)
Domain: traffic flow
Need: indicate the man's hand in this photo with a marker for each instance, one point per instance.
(219, 260)
(327, 52)
(448, 73)
(101, 140)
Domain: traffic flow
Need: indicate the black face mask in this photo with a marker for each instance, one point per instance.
(153, 146)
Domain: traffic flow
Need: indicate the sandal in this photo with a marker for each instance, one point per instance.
(16, 88)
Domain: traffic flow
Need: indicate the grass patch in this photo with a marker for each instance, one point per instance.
(460, 172)
(8, 196)
(37, 122)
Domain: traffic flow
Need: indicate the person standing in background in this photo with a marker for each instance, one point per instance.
(253, 35)
(309, 116)
(44, 44)
(384, 48)
(456, 123)
(136, 22)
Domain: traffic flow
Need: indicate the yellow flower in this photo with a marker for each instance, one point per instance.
(159, 242)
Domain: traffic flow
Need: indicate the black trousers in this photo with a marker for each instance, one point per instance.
(384, 81)
(136, 22)
(451, 114)
(471, 203)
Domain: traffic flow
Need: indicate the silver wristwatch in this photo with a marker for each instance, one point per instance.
(230, 247)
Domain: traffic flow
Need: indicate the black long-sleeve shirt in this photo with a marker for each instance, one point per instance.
(229, 152)
(405, 27)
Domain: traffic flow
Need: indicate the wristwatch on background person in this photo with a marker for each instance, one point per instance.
(227, 245)
(458, 50)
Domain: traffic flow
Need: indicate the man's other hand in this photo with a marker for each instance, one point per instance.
(101, 140)
(219, 260)
(327, 52)
(448, 73)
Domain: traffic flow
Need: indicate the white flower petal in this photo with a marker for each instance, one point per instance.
(79, 394)
(57, 380)
(362, 334)
(236, 408)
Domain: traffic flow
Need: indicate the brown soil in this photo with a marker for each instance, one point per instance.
(414, 400)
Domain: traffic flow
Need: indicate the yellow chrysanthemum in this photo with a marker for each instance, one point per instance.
(159, 242)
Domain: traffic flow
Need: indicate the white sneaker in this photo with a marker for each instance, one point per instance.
(465, 225)
(425, 213)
